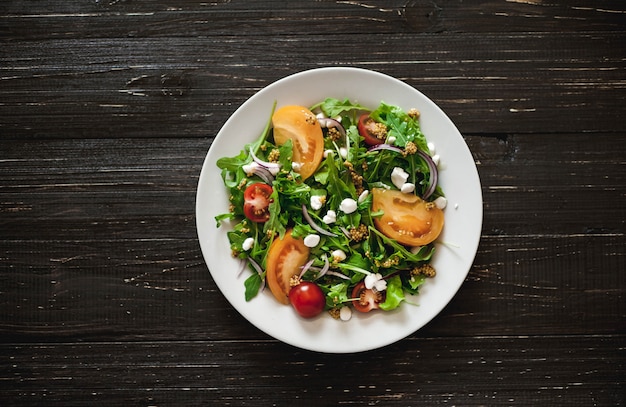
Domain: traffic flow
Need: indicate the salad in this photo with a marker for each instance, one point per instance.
(335, 207)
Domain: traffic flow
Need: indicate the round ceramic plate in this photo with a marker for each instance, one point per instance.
(455, 248)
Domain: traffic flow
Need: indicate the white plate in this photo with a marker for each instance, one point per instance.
(463, 216)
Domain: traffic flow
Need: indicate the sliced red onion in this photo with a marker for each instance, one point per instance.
(269, 166)
(264, 174)
(306, 267)
(324, 269)
(432, 167)
(345, 232)
(384, 146)
(255, 265)
(336, 274)
(329, 123)
(312, 223)
(259, 270)
(242, 267)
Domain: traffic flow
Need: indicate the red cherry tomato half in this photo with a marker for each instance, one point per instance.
(365, 299)
(257, 201)
(368, 130)
(307, 299)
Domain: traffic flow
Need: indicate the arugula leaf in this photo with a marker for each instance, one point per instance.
(395, 294)
(337, 294)
(266, 131)
(425, 252)
(286, 153)
(337, 188)
(232, 164)
(357, 260)
(334, 107)
(300, 230)
(222, 217)
(400, 125)
(275, 222)
(252, 285)
(321, 175)
(415, 282)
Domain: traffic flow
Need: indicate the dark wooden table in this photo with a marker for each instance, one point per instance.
(108, 108)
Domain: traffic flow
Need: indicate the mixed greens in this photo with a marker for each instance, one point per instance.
(366, 217)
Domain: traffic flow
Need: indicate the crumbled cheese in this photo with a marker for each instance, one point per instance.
(250, 169)
(407, 188)
(296, 166)
(247, 244)
(328, 152)
(431, 148)
(330, 217)
(317, 201)
(391, 140)
(441, 202)
(311, 240)
(338, 255)
(363, 196)
(348, 205)
(436, 159)
(274, 169)
(376, 281)
(321, 122)
(345, 313)
(344, 152)
(399, 177)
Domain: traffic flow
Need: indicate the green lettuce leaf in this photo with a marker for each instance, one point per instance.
(400, 125)
(252, 285)
(334, 107)
(395, 294)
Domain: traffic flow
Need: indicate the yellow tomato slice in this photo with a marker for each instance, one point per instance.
(407, 218)
(299, 124)
(284, 259)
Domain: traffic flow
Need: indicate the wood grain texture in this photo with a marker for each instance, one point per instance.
(189, 86)
(59, 19)
(108, 108)
(162, 290)
(479, 371)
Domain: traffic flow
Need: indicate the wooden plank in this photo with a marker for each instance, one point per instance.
(63, 187)
(531, 186)
(161, 289)
(557, 370)
(113, 18)
(107, 109)
(70, 236)
(188, 87)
